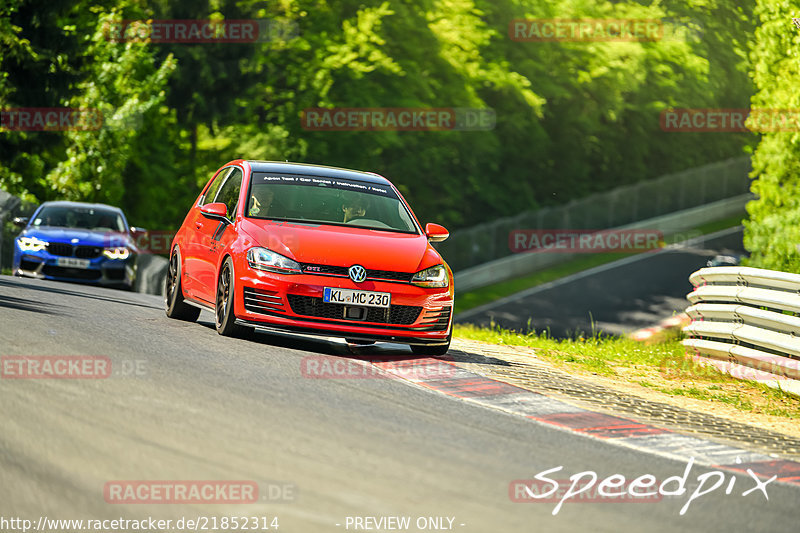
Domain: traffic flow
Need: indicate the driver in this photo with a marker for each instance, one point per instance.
(261, 206)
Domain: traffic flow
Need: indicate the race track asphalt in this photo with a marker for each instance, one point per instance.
(183, 403)
(615, 298)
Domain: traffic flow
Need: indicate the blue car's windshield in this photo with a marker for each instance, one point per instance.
(94, 218)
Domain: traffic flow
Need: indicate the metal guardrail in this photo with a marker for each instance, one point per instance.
(748, 317)
(477, 245)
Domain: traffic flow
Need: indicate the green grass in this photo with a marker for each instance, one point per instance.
(490, 293)
(662, 366)
(6, 272)
(598, 353)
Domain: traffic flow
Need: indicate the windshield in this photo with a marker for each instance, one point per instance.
(93, 218)
(329, 201)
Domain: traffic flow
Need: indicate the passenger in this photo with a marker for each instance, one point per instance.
(356, 207)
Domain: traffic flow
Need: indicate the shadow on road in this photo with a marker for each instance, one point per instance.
(27, 305)
(56, 288)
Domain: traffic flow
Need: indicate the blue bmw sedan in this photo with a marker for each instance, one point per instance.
(72, 241)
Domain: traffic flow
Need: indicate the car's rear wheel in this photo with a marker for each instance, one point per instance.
(225, 318)
(436, 349)
(173, 294)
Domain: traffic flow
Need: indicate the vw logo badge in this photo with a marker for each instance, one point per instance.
(357, 273)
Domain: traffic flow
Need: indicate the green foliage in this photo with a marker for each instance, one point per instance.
(772, 234)
(566, 112)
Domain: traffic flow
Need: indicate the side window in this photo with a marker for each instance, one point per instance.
(229, 192)
(211, 193)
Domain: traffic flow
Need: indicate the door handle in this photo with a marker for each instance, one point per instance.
(198, 225)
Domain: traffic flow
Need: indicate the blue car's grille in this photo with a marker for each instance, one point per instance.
(60, 248)
(88, 252)
(63, 249)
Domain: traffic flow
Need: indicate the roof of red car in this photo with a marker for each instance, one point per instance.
(315, 170)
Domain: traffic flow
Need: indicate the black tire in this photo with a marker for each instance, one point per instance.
(173, 293)
(436, 349)
(225, 319)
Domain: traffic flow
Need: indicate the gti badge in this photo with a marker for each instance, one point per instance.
(357, 273)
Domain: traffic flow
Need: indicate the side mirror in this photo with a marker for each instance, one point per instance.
(20, 221)
(217, 210)
(137, 232)
(436, 233)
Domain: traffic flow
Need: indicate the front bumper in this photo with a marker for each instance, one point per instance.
(99, 270)
(294, 303)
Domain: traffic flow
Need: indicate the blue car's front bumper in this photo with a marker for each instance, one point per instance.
(84, 264)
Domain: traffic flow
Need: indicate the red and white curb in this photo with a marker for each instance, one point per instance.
(542, 409)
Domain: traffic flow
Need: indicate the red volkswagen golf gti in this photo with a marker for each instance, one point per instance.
(311, 249)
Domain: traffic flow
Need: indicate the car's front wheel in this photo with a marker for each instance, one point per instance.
(225, 318)
(173, 294)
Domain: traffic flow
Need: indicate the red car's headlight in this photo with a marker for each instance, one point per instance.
(266, 259)
(435, 276)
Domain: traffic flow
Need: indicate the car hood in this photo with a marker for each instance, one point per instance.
(86, 237)
(343, 246)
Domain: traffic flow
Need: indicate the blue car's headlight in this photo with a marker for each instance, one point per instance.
(435, 276)
(117, 252)
(266, 259)
(31, 244)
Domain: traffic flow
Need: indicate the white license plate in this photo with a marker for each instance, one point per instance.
(72, 262)
(353, 297)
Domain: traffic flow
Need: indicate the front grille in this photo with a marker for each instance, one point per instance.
(311, 306)
(436, 319)
(72, 273)
(372, 275)
(261, 301)
(88, 252)
(60, 248)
